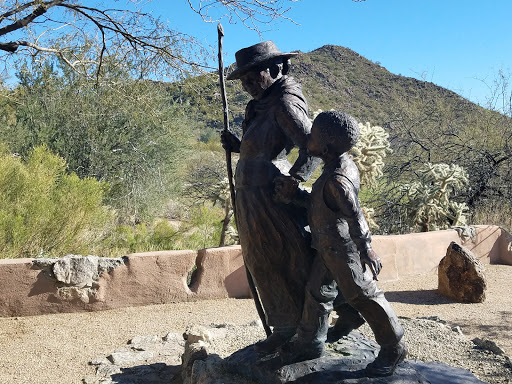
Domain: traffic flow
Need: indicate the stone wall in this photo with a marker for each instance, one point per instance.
(72, 284)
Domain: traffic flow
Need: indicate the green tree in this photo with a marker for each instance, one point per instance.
(206, 182)
(122, 131)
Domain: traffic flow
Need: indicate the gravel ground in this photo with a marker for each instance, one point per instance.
(57, 348)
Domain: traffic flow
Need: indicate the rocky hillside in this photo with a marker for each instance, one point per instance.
(333, 77)
(339, 78)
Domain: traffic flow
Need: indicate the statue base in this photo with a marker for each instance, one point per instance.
(344, 363)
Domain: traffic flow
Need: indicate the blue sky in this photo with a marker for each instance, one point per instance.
(457, 44)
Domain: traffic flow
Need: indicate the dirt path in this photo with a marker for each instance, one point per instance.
(56, 349)
(491, 319)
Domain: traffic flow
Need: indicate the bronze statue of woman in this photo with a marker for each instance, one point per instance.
(273, 235)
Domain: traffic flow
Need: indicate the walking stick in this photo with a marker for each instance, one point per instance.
(250, 280)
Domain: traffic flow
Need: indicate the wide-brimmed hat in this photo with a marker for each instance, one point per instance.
(255, 55)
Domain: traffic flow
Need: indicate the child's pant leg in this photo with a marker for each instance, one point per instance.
(361, 292)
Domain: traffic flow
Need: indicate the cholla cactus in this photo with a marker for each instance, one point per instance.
(221, 193)
(314, 114)
(428, 201)
(369, 215)
(370, 151)
(232, 237)
(368, 154)
(229, 234)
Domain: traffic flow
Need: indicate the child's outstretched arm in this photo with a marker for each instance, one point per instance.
(340, 195)
(287, 190)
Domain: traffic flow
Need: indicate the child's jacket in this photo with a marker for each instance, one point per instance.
(335, 216)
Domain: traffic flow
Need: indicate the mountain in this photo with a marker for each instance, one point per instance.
(335, 77)
(332, 77)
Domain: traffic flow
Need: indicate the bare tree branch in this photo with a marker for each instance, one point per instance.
(136, 37)
(21, 23)
(252, 13)
(16, 10)
(143, 42)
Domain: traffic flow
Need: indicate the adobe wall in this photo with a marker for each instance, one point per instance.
(42, 286)
(420, 253)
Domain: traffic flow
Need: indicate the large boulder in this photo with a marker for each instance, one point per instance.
(461, 275)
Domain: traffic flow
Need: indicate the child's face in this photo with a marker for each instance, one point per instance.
(315, 145)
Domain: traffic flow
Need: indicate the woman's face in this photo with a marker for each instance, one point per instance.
(256, 82)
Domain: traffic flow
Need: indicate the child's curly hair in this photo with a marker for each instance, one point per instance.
(338, 130)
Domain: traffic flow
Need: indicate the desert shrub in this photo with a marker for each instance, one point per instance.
(142, 237)
(202, 230)
(45, 211)
(205, 228)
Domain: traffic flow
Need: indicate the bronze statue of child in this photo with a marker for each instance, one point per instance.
(342, 240)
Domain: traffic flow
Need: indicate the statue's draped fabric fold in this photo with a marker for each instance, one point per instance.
(275, 243)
